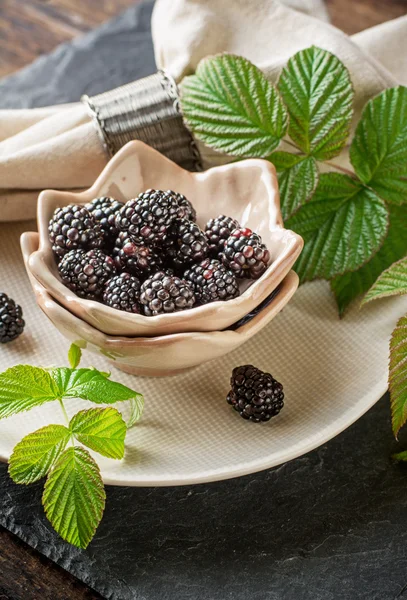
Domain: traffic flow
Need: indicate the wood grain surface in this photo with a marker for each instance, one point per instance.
(27, 30)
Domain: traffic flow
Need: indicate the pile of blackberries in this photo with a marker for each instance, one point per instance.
(149, 256)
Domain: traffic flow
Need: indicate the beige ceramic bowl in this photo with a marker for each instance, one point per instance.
(158, 356)
(246, 190)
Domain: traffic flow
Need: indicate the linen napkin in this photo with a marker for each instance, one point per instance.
(58, 146)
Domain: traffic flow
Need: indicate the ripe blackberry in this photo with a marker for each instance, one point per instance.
(255, 395)
(164, 293)
(212, 281)
(217, 231)
(123, 293)
(104, 210)
(187, 211)
(86, 273)
(138, 260)
(73, 227)
(11, 319)
(245, 254)
(148, 217)
(186, 244)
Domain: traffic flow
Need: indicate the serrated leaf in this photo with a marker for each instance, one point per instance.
(398, 375)
(317, 90)
(343, 225)
(349, 286)
(34, 455)
(297, 178)
(378, 151)
(392, 282)
(23, 387)
(74, 497)
(229, 105)
(101, 429)
(74, 356)
(400, 456)
(91, 385)
(136, 410)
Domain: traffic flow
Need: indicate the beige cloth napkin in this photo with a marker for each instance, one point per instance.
(57, 147)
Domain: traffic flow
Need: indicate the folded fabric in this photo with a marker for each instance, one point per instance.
(58, 146)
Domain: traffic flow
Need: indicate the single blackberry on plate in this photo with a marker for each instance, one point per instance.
(137, 259)
(123, 293)
(217, 231)
(186, 244)
(104, 210)
(187, 211)
(72, 227)
(86, 273)
(212, 281)
(163, 293)
(148, 217)
(11, 319)
(255, 395)
(245, 254)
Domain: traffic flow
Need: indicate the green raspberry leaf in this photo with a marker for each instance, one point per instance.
(229, 105)
(343, 225)
(74, 356)
(74, 497)
(378, 151)
(23, 387)
(136, 410)
(398, 375)
(101, 429)
(90, 384)
(297, 178)
(392, 282)
(349, 286)
(35, 454)
(317, 90)
(400, 456)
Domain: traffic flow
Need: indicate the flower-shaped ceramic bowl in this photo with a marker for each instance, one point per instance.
(157, 356)
(246, 190)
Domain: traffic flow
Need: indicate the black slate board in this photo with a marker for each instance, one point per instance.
(331, 525)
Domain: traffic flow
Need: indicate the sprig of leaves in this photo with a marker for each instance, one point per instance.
(74, 496)
(345, 219)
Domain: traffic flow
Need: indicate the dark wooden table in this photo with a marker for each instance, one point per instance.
(27, 30)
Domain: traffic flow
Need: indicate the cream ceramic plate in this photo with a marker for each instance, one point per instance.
(332, 371)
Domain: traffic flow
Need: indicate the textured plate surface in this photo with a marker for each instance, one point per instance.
(332, 371)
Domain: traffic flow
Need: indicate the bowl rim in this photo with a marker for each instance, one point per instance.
(258, 289)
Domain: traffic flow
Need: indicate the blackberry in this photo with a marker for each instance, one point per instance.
(148, 217)
(86, 273)
(255, 395)
(104, 210)
(72, 227)
(217, 231)
(163, 293)
(245, 254)
(187, 244)
(123, 293)
(212, 281)
(11, 319)
(187, 211)
(139, 260)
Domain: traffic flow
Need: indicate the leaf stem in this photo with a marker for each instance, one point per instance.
(64, 410)
(339, 168)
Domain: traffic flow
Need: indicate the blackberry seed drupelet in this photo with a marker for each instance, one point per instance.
(212, 281)
(255, 395)
(148, 217)
(104, 211)
(163, 293)
(73, 227)
(123, 293)
(11, 319)
(186, 210)
(137, 259)
(86, 273)
(245, 254)
(217, 231)
(187, 244)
